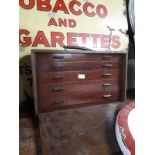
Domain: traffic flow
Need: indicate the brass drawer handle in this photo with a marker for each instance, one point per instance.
(58, 89)
(58, 67)
(58, 57)
(107, 57)
(106, 96)
(107, 65)
(106, 84)
(58, 78)
(59, 102)
(107, 74)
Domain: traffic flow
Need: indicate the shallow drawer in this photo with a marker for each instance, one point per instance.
(74, 66)
(77, 89)
(50, 103)
(71, 76)
(67, 57)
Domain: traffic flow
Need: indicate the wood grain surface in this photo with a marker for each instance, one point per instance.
(67, 57)
(57, 83)
(76, 66)
(67, 76)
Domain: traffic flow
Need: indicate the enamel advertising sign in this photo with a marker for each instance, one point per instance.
(100, 25)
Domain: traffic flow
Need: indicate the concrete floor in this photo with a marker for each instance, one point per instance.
(80, 131)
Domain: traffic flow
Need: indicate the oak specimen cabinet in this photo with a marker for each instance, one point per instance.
(65, 79)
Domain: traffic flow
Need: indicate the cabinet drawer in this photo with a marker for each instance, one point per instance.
(67, 57)
(50, 103)
(76, 66)
(77, 88)
(68, 76)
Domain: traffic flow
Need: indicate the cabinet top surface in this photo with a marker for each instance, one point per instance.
(77, 51)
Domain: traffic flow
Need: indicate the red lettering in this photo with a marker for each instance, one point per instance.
(105, 41)
(60, 5)
(62, 22)
(85, 9)
(115, 42)
(71, 7)
(43, 5)
(84, 37)
(95, 36)
(52, 22)
(71, 23)
(104, 12)
(26, 40)
(40, 39)
(71, 40)
(57, 38)
(28, 6)
(89, 9)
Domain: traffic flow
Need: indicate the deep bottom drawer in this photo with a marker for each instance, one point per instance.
(50, 103)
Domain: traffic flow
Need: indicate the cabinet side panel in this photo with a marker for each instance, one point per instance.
(34, 63)
(124, 77)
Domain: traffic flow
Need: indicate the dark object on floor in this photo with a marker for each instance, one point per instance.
(131, 93)
(117, 153)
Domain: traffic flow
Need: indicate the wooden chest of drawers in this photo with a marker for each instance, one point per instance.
(67, 79)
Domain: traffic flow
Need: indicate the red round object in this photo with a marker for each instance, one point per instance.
(124, 137)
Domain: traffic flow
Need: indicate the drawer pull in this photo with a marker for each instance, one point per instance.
(58, 89)
(106, 84)
(107, 74)
(107, 65)
(58, 67)
(59, 102)
(77, 48)
(58, 78)
(58, 57)
(107, 57)
(106, 96)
